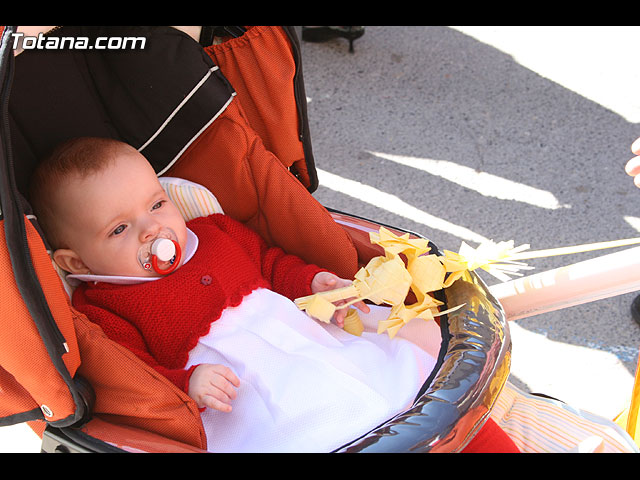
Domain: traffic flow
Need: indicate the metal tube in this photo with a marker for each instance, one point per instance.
(602, 277)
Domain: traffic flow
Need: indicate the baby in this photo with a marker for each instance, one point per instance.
(209, 305)
(102, 209)
(101, 205)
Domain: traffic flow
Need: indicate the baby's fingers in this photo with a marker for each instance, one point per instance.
(341, 313)
(339, 316)
(633, 166)
(363, 307)
(225, 382)
(217, 404)
(221, 389)
(220, 396)
(226, 373)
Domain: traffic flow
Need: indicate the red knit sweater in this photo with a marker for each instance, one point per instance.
(161, 321)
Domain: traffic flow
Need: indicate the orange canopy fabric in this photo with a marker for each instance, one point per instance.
(246, 158)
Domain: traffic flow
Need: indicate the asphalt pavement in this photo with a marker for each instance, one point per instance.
(505, 133)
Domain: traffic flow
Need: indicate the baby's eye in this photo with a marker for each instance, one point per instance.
(119, 229)
(157, 205)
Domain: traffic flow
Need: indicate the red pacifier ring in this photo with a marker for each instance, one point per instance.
(170, 268)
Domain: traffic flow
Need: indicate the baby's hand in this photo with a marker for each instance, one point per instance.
(633, 166)
(213, 386)
(325, 281)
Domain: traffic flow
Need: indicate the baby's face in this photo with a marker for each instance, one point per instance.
(108, 216)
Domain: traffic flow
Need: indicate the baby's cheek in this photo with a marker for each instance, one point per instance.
(129, 265)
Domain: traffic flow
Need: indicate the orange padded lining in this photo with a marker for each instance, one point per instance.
(244, 156)
(261, 68)
(250, 178)
(22, 351)
(129, 392)
(254, 187)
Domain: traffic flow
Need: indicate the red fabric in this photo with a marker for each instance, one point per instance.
(491, 439)
(161, 321)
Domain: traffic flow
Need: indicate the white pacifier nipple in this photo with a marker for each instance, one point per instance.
(164, 249)
(161, 254)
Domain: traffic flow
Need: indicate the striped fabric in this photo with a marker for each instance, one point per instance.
(542, 425)
(193, 200)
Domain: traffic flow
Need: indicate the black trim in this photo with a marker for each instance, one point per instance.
(470, 371)
(301, 103)
(206, 36)
(16, 239)
(68, 440)
(27, 416)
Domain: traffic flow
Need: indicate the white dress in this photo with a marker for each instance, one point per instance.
(305, 386)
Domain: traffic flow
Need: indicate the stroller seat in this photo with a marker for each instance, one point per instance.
(226, 135)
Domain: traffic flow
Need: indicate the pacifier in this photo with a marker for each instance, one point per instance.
(162, 254)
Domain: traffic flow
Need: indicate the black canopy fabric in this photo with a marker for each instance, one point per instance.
(129, 94)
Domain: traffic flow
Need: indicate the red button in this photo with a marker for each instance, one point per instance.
(206, 280)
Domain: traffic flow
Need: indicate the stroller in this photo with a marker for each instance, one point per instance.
(227, 111)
